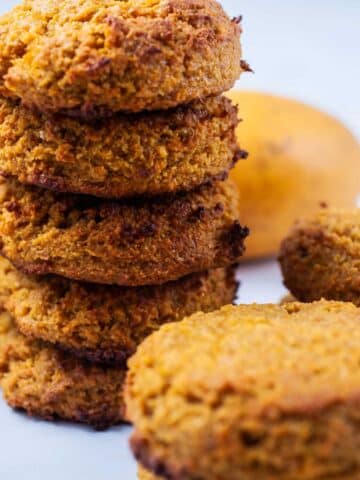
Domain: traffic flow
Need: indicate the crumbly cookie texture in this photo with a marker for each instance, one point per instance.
(320, 257)
(105, 323)
(255, 391)
(93, 57)
(122, 156)
(125, 243)
(49, 384)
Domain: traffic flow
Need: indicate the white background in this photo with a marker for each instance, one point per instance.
(304, 49)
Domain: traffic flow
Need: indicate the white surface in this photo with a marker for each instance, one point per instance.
(308, 50)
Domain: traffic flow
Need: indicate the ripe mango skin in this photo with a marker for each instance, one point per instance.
(299, 157)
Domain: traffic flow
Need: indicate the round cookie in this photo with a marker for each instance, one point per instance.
(255, 391)
(93, 57)
(126, 155)
(131, 244)
(105, 323)
(49, 384)
(320, 257)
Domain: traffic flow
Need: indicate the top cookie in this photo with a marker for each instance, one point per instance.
(93, 57)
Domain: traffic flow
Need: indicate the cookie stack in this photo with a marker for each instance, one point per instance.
(115, 216)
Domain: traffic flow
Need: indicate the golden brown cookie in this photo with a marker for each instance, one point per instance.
(125, 243)
(92, 57)
(47, 383)
(126, 155)
(254, 391)
(105, 323)
(320, 257)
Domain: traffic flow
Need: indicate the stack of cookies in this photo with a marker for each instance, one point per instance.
(115, 216)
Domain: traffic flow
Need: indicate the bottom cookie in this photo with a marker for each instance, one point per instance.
(47, 383)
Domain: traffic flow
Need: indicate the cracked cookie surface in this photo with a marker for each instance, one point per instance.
(94, 57)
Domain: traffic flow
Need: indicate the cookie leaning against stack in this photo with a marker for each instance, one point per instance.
(115, 143)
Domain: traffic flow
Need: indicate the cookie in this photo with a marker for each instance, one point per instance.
(320, 257)
(254, 391)
(105, 323)
(49, 384)
(124, 243)
(94, 57)
(127, 155)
